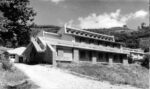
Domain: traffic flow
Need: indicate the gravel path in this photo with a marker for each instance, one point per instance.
(53, 78)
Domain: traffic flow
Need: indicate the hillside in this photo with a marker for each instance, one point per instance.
(49, 28)
(134, 75)
(131, 38)
(112, 30)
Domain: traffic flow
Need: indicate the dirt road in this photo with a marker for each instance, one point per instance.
(53, 78)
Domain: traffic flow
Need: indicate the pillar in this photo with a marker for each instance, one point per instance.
(76, 55)
(94, 57)
(110, 60)
(54, 56)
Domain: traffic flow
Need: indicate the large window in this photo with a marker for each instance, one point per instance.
(117, 58)
(85, 55)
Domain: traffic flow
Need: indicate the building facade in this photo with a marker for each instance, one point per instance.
(75, 45)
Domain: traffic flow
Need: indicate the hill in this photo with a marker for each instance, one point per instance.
(131, 38)
(49, 28)
(112, 31)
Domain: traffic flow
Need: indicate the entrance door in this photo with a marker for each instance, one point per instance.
(20, 59)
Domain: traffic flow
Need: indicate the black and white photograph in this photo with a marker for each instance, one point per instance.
(74, 44)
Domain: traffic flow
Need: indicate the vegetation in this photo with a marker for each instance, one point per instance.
(15, 79)
(146, 61)
(6, 64)
(134, 75)
(35, 29)
(11, 77)
(18, 18)
(129, 37)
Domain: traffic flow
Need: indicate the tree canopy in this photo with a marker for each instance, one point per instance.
(19, 17)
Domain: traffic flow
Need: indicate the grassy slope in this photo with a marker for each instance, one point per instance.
(9, 77)
(117, 74)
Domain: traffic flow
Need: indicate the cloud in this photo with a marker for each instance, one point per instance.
(54, 1)
(141, 14)
(108, 20)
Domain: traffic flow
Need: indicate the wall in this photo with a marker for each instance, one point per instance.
(64, 54)
(52, 36)
(68, 37)
(48, 55)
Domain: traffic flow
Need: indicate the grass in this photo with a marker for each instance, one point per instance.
(14, 77)
(134, 75)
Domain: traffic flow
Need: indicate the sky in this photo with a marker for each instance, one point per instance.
(91, 13)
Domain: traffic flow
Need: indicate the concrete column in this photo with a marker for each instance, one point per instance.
(54, 63)
(94, 57)
(54, 56)
(110, 60)
(125, 61)
(76, 55)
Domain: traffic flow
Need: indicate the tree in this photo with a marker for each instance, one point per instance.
(19, 19)
(143, 25)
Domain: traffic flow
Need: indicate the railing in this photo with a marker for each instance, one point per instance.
(133, 50)
(84, 46)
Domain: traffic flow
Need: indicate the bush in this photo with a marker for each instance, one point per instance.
(22, 85)
(6, 65)
(130, 59)
(145, 63)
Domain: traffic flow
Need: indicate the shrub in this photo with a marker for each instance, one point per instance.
(130, 59)
(22, 85)
(145, 63)
(6, 65)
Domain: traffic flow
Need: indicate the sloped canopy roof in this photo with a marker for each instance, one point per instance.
(17, 51)
(83, 33)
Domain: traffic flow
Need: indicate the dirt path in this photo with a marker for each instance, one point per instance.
(53, 78)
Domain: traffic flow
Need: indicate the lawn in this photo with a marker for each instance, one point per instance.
(134, 75)
(14, 77)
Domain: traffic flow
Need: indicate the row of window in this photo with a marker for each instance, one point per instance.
(102, 57)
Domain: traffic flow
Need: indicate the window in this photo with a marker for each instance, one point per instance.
(12, 56)
(83, 54)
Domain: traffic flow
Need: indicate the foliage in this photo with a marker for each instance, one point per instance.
(145, 63)
(6, 65)
(19, 17)
(15, 80)
(22, 85)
